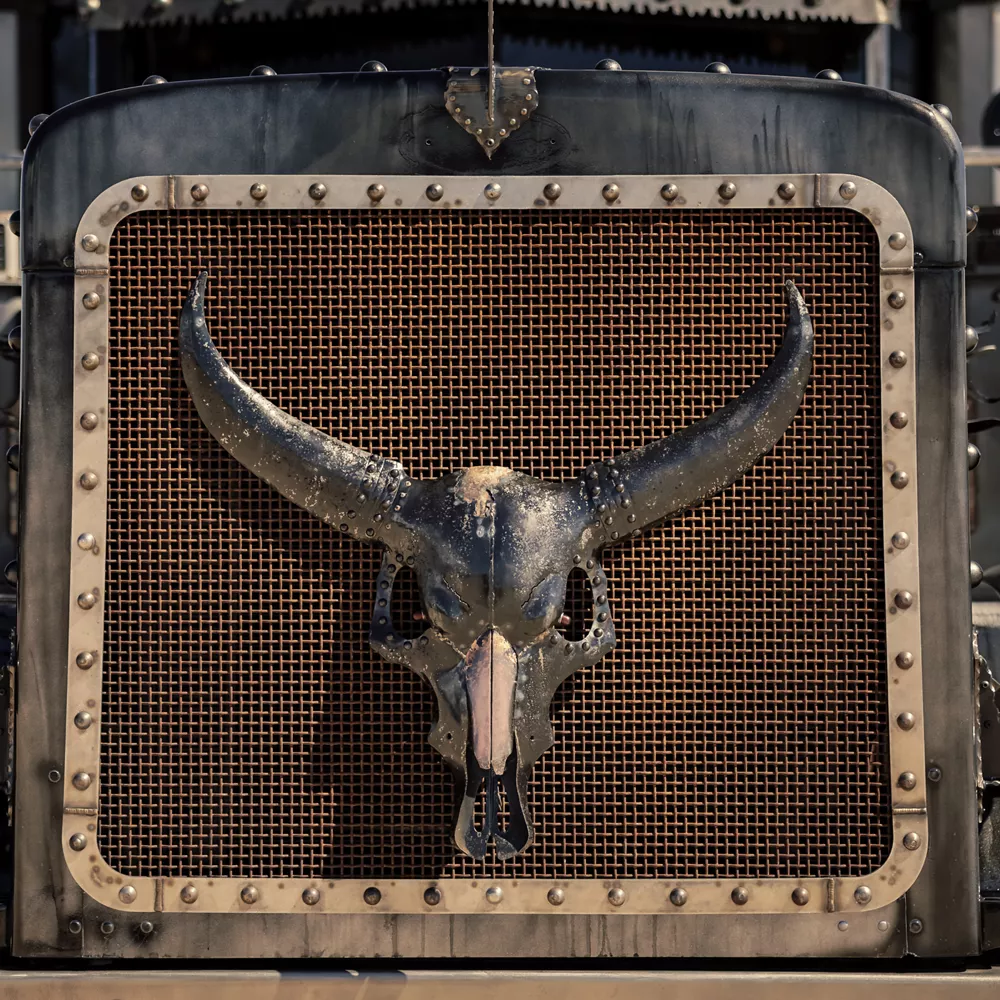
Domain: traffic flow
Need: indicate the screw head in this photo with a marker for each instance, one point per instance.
(146, 927)
(727, 191)
(911, 841)
(907, 781)
(434, 192)
(897, 299)
(552, 190)
(90, 242)
(904, 660)
(107, 928)
(88, 421)
(975, 574)
(973, 454)
(81, 781)
(77, 842)
(249, 894)
(154, 81)
(906, 720)
(189, 894)
(800, 895)
(91, 300)
(140, 192)
(372, 896)
(848, 190)
(83, 720)
(862, 895)
(610, 65)
(669, 192)
(492, 191)
(90, 361)
(610, 193)
(263, 71)
(899, 419)
(85, 660)
(971, 220)
(616, 896)
(897, 241)
(739, 896)
(717, 67)
(35, 123)
(199, 192)
(678, 896)
(310, 896)
(903, 599)
(899, 479)
(432, 895)
(900, 540)
(127, 894)
(87, 600)
(786, 190)
(89, 480)
(374, 66)
(971, 339)
(556, 896)
(258, 191)
(494, 894)
(74, 927)
(317, 191)
(898, 359)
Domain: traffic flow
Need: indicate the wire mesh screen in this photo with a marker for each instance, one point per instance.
(739, 727)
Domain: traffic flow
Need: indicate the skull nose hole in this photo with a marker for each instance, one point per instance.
(408, 616)
(578, 607)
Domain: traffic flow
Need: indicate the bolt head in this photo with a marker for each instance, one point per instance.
(678, 896)
(35, 123)
(249, 894)
(88, 421)
(140, 192)
(975, 574)
(494, 894)
(372, 896)
(800, 895)
(199, 192)
(897, 241)
(90, 361)
(492, 191)
(898, 359)
(85, 660)
(899, 419)
(717, 67)
(900, 540)
(154, 81)
(81, 781)
(740, 896)
(91, 300)
(77, 842)
(727, 191)
(897, 299)
(127, 894)
(862, 895)
(973, 454)
(904, 660)
(556, 896)
(616, 896)
(971, 220)
(609, 65)
(310, 896)
(552, 190)
(434, 192)
(911, 841)
(786, 190)
(263, 71)
(83, 720)
(90, 242)
(669, 192)
(971, 339)
(907, 781)
(903, 599)
(374, 66)
(258, 191)
(848, 190)
(189, 894)
(906, 720)
(317, 191)
(89, 480)
(899, 479)
(432, 895)
(610, 193)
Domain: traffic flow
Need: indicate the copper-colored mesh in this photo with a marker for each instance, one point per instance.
(739, 728)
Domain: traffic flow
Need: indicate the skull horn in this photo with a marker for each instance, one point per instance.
(344, 486)
(668, 475)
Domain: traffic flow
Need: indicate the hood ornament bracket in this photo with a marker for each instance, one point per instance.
(490, 104)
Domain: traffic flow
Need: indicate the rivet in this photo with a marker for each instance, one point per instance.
(90, 242)
(897, 241)
(971, 220)
(883, 925)
(249, 894)
(146, 927)
(78, 842)
(434, 192)
(88, 421)
(258, 191)
(87, 600)
(35, 122)
(934, 773)
(155, 79)
(432, 895)
(590, 564)
(943, 110)
(828, 74)
(91, 300)
(492, 191)
(376, 192)
(900, 540)
(907, 781)
(899, 419)
(310, 896)
(262, 71)
(848, 190)
(898, 359)
(903, 600)
(75, 927)
(727, 191)
(494, 894)
(899, 479)
(916, 925)
(317, 191)
(513, 121)
(616, 896)
(90, 361)
(717, 67)
(786, 190)
(678, 896)
(842, 925)
(140, 192)
(610, 193)
(906, 720)
(975, 574)
(971, 339)
(556, 896)
(552, 190)
(897, 299)
(374, 66)
(800, 895)
(973, 455)
(81, 781)
(609, 65)
(524, 111)
(107, 927)
(739, 896)
(86, 541)
(127, 894)
(199, 192)
(55, 775)
(862, 895)
(89, 480)
(904, 660)
(911, 841)
(189, 894)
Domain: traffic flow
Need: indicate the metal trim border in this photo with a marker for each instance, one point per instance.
(518, 896)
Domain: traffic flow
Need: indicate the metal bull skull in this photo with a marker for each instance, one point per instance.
(492, 550)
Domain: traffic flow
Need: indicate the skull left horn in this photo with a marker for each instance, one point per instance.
(492, 550)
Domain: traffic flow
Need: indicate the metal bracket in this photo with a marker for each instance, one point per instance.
(491, 103)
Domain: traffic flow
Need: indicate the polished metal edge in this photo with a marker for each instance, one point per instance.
(511, 896)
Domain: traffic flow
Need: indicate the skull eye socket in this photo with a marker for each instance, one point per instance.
(578, 606)
(409, 619)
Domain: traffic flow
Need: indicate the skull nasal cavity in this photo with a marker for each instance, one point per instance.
(408, 616)
(578, 608)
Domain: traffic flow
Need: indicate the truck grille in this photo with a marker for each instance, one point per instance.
(739, 728)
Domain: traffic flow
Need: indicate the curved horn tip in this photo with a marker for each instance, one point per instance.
(198, 288)
(795, 299)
